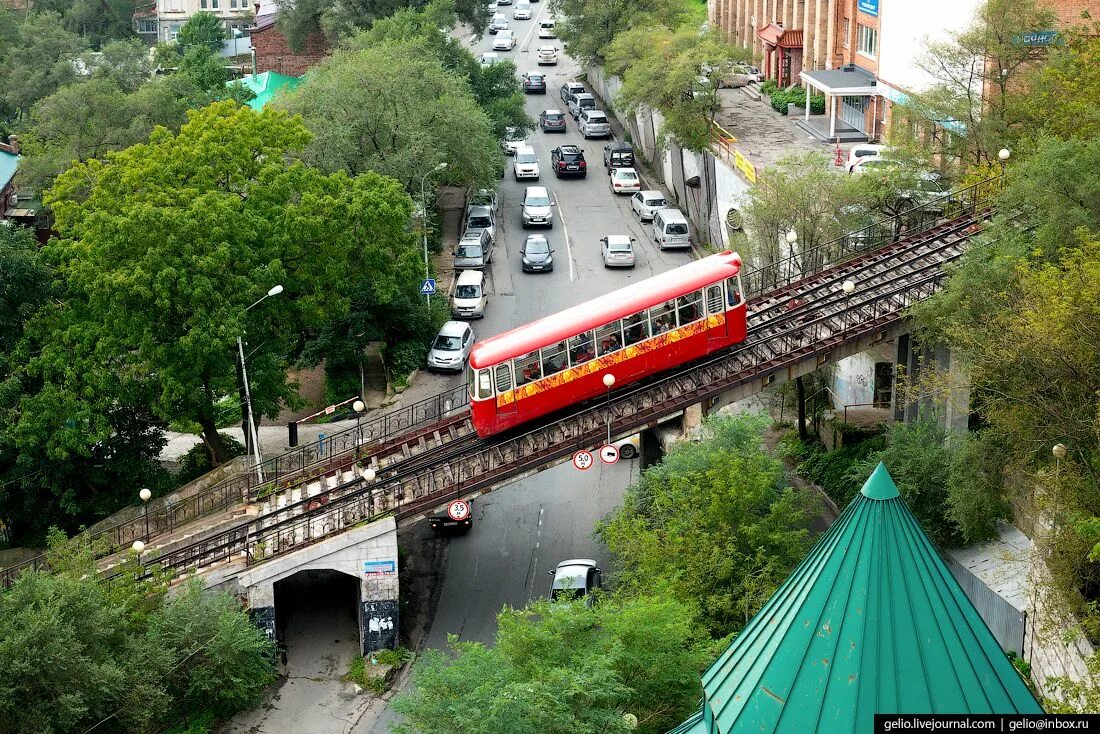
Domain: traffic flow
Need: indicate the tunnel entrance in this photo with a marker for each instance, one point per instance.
(317, 622)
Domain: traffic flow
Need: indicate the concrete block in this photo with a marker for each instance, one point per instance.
(313, 489)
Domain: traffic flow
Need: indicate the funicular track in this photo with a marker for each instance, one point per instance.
(788, 324)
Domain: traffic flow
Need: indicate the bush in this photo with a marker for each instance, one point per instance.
(781, 98)
(196, 462)
(404, 357)
(833, 470)
(768, 87)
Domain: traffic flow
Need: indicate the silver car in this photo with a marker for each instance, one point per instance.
(594, 124)
(576, 578)
(474, 251)
(514, 139)
(480, 217)
(451, 347)
(618, 251)
(537, 208)
(645, 203)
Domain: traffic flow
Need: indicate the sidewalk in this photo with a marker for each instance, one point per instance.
(273, 439)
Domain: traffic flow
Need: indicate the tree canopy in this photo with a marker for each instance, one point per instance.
(40, 62)
(587, 27)
(202, 29)
(340, 21)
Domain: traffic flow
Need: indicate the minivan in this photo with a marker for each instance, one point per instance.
(474, 251)
(468, 300)
(670, 228)
(580, 103)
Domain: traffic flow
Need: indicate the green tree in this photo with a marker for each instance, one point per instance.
(202, 29)
(40, 63)
(100, 21)
(160, 276)
(26, 285)
(205, 67)
(393, 109)
(298, 19)
(587, 27)
(713, 522)
(126, 63)
(565, 668)
(660, 70)
(1060, 88)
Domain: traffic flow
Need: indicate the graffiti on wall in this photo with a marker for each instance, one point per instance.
(380, 625)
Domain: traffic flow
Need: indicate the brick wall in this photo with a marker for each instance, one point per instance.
(273, 52)
(1069, 11)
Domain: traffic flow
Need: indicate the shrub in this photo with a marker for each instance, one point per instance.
(196, 462)
(404, 357)
(768, 87)
(837, 471)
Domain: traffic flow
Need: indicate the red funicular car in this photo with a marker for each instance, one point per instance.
(631, 333)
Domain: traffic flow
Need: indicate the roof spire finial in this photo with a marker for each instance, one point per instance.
(880, 485)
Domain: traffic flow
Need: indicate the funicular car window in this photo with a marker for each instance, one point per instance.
(609, 337)
(688, 306)
(554, 359)
(581, 349)
(714, 299)
(484, 384)
(733, 293)
(636, 327)
(663, 317)
(504, 378)
(527, 368)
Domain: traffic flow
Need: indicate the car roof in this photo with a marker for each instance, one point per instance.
(650, 194)
(505, 32)
(474, 234)
(454, 328)
(569, 149)
(573, 574)
(584, 94)
(536, 236)
(624, 169)
(594, 113)
(618, 239)
(552, 112)
(470, 277)
(573, 85)
(616, 145)
(478, 210)
(536, 190)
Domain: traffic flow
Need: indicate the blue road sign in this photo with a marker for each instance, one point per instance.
(427, 288)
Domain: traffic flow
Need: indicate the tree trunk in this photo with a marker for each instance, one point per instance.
(801, 391)
(213, 440)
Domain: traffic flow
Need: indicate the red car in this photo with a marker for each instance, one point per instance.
(632, 333)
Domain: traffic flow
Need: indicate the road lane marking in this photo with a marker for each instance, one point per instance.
(535, 554)
(565, 233)
(534, 24)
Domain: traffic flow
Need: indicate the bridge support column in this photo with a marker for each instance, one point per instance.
(693, 418)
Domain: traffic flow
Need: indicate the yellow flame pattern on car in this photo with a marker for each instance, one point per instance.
(609, 360)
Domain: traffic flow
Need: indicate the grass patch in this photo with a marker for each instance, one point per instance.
(375, 672)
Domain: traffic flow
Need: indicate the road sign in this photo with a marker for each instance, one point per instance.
(458, 510)
(427, 288)
(609, 454)
(583, 460)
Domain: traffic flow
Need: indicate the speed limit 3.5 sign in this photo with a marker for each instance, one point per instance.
(458, 510)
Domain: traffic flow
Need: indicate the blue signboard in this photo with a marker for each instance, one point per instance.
(870, 7)
(427, 288)
(1036, 38)
(379, 568)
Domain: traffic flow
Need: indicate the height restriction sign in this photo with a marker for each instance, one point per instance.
(458, 510)
(582, 460)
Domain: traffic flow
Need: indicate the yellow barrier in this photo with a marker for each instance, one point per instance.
(724, 144)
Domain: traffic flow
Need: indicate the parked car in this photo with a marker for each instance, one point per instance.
(629, 447)
(498, 23)
(489, 58)
(513, 139)
(624, 181)
(748, 70)
(552, 121)
(546, 29)
(505, 40)
(568, 90)
(618, 251)
(536, 254)
(534, 83)
(504, 2)
(481, 217)
(576, 578)
(474, 251)
(568, 160)
(451, 347)
(869, 163)
(618, 155)
(548, 55)
(594, 124)
(580, 103)
(525, 164)
(468, 299)
(537, 208)
(646, 203)
(860, 151)
(522, 11)
(483, 197)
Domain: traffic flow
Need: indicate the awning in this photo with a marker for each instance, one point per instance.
(776, 35)
(850, 81)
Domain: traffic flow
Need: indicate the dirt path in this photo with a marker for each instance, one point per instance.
(826, 513)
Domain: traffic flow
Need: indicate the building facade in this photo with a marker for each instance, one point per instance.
(172, 14)
(272, 51)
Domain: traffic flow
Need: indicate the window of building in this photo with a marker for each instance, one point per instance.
(175, 6)
(847, 32)
(147, 26)
(202, 4)
(867, 40)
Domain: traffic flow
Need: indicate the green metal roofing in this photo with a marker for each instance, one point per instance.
(870, 622)
(266, 86)
(9, 162)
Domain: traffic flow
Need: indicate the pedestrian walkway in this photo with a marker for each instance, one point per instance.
(273, 439)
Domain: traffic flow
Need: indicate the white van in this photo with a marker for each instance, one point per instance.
(546, 29)
(670, 228)
(468, 300)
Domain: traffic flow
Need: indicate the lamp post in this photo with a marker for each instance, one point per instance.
(368, 474)
(237, 33)
(608, 381)
(792, 238)
(1003, 155)
(848, 287)
(358, 406)
(424, 221)
(145, 495)
(251, 432)
(138, 547)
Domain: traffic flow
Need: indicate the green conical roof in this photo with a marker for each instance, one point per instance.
(870, 622)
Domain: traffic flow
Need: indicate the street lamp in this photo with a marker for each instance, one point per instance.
(251, 429)
(146, 495)
(608, 381)
(368, 474)
(138, 547)
(358, 406)
(424, 221)
(1003, 156)
(848, 287)
(792, 238)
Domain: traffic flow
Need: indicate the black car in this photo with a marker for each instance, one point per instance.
(444, 523)
(568, 160)
(534, 83)
(552, 121)
(537, 255)
(569, 89)
(618, 155)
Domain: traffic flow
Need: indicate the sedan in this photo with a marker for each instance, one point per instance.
(534, 83)
(618, 251)
(548, 55)
(645, 203)
(576, 578)
(451, 347)
(505, 40)
(537, 255)
(625, 181)
(525, 164)
(498, 23)
(488, 59)
(552, 121)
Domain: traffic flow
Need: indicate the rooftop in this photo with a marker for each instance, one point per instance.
(9, 163)
(266, 86)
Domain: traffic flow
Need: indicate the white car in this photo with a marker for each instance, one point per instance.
(625, 181)
(451, 347)
(513, 141)
(548, 55)
(505, 41)
(522, 11)
(629, 447)
(525, 164)
(575, 579)
(498, 23)
(546, 29)
(489, 58)
(618, 251)
(860, 151)
(645, 203)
